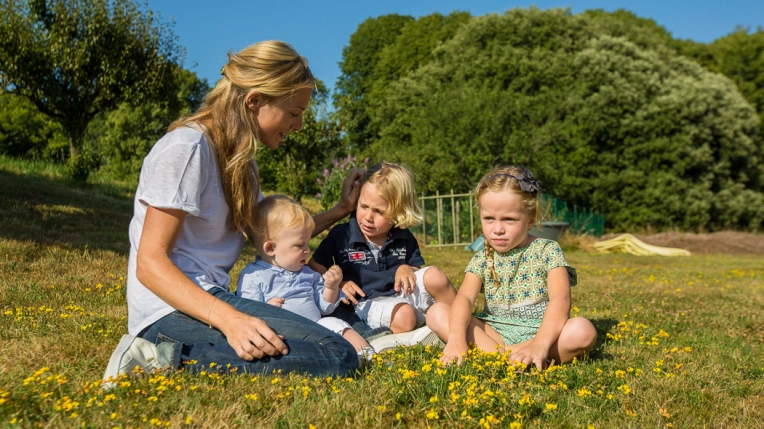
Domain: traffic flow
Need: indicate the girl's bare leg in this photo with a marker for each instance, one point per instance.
(478, 332)
(577, 338)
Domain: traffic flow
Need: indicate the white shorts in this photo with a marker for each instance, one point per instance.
(338, 326)
(377, 312)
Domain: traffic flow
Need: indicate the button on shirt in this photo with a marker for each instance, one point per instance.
(347, 245)
(303, 291)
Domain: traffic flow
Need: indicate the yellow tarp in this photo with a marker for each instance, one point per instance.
(627, 243)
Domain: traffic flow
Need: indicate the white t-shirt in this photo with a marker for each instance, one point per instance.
(181, 172)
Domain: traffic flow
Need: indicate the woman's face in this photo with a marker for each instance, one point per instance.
(278, 117)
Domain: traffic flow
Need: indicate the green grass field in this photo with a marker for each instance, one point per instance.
(681, 341)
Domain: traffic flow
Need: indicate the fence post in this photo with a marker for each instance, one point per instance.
(424, 220)
(439, 216)
(472, 220)
(453, 218)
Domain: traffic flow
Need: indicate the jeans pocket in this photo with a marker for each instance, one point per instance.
(162, 338)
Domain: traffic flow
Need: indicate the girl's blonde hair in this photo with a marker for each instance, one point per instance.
(276, 71)
(396, 185)
(276, 213)
(514, 180)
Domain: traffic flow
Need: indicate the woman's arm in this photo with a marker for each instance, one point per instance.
(351, 187)
(459, 318)
(556, 314)
(249, 336)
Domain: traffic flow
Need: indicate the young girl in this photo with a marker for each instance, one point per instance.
(526, 282)
(383, 270)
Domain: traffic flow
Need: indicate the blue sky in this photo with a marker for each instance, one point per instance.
(320, 29)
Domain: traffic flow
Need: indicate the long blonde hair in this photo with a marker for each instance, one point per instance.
(505, 179)
(276, 71)
(396, 185)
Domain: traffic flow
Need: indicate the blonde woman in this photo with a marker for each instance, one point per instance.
(194, 207)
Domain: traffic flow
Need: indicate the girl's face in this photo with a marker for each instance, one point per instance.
(277, 118)
(504, 220)
(370, 214)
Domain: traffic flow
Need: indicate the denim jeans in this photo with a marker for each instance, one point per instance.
(313, 349)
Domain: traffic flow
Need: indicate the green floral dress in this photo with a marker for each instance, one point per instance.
(517, 302)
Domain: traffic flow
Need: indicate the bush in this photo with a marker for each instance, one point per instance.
(330, 182)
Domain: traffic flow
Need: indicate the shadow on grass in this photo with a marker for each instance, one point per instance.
(603, 326)
(57, 212)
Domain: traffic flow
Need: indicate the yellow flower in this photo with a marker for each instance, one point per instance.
(381, 408)
(432, 414)
(397, 416)
(189, 420)
(515, 425)
(551, 406)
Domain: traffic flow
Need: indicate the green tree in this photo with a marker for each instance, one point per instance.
(641, 134)
(294, 167)
(122, 137)
(25, 132)
(359, 59)
(77, 58)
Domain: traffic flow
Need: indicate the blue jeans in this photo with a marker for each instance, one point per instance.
(313, 349)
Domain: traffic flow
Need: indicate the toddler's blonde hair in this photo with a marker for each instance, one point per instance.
(396, 185)
(501, 179)
(276, 213)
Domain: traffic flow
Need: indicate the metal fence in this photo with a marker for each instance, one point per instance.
(453, 219)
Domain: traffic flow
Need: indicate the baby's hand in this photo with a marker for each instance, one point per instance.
(405, 279)
(333, 277)
(277, 301)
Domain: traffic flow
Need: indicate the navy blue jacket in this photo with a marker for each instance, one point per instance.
(347, 245)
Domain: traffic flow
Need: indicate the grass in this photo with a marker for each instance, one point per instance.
(681, 341)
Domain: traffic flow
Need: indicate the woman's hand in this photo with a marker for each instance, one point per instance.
(351, 291)
(405, 279)
(351, 188)
(332, 277)
(531, 354)
(454, 352)
(250, 337)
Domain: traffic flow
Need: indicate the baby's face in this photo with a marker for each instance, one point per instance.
(291, 248)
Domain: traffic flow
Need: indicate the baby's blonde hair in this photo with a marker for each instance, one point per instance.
(505, 179)
(276, 213)
(396, 185)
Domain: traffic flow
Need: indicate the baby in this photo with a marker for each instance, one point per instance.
(279, 275)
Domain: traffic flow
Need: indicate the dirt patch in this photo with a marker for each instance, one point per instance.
(726, 242)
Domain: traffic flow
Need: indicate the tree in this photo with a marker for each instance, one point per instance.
(77, 58)
(359, 59)
(632, 130)
(25, 132)
(122, 137)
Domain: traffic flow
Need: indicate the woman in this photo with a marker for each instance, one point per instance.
(194, 205)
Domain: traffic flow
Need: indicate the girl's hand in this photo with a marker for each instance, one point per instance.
(454, 352)
(351, 291)
(333, 277)
(405, 279)
(277, 301)
(531, 354)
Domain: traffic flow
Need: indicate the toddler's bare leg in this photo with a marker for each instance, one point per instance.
(355, 339)
(439, 286)
(403, 318)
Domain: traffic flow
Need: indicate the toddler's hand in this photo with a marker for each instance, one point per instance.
(405, 279)
(352, 291)
(278, 302)
(333, 277)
